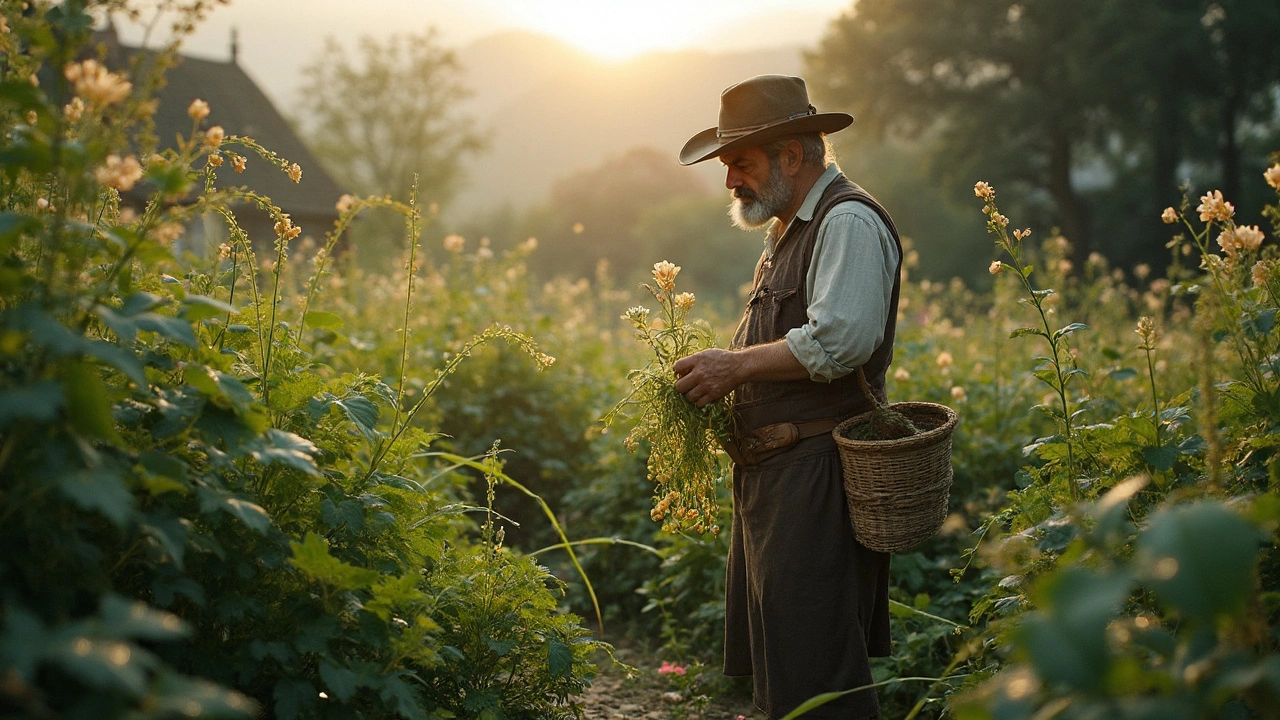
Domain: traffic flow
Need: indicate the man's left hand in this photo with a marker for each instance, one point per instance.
(707, 376)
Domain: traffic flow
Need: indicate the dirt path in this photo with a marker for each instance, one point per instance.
(647, 694)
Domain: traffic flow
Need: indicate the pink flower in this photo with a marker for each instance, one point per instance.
(669, 669)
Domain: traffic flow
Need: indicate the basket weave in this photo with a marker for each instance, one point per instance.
(898, 489)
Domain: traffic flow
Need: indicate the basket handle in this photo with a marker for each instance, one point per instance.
(866, 389)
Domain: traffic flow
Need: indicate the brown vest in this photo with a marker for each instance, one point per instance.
(779, 303)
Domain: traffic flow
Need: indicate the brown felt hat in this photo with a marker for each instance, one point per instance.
(758, 110)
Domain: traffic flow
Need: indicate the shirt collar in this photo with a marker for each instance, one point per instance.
(805, 213)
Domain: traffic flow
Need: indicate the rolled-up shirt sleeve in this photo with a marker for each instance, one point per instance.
(850, 284)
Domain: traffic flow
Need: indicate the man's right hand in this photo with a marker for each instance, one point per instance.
(708, 376)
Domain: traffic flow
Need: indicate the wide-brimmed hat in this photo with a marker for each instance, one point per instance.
(757, 110)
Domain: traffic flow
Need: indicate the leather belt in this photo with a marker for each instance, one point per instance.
(764, 442)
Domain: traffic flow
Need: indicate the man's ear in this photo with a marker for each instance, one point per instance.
(792, 158)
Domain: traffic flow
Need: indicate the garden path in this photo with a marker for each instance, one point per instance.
(616, 694)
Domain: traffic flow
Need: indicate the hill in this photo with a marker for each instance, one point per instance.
(552, 110)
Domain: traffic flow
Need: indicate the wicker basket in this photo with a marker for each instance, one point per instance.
(898, 489)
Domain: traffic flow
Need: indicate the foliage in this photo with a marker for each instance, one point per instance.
(683, 440)
(205, 510)
(1105, 146)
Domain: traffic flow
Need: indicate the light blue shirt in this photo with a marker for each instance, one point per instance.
(849, 285)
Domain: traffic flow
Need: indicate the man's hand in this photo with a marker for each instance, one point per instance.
(709, 375)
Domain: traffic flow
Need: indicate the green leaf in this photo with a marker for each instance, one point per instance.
(1123, 374)
(88, 405)
(1023, 332)
(200, 307)
(559, 658)
(104, 663)
(288, 449)
(340, 681)
(100, 489)
(1160, 458)
(499, 647)
(363, 413)
(1068, 329)
(38, 402)
(312, 557)
(319, 319)
(176, 696)
(292, 696)
(1066, 641)
(247, 512)
(129, 619)
(1199, 558)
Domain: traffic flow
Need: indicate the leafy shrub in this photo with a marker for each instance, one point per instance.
(201, 513)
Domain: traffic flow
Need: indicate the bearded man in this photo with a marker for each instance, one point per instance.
(806, 605)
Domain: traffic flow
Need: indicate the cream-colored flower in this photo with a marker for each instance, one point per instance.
(198, 110)
(96, 84)
(1214, 207)
(4, 25)
(529, 245)
(1272, 176)
(286, 229)
(1169, 216)
(1240, 239)
(74, 109)
(999, 219)
(237, 163)
(901, 374)
(684, 301)
(42, 203)
(984, 191)
(638, 315)
(215, 160)
(1065, 266)
(1141, 271)
(1021, 234)
(1261, 273)
(119, 173)
(166, 233)
(32, 117)
(944, 359)
(345, 203)
(213, 136)
(578, 228)
(664, 273)
(996, 267)
(1147, 331)
(484, 253)
(454, 243)
(224, 251)
(295, 172)
(957, 393)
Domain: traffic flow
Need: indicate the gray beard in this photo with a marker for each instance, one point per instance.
(771, 200)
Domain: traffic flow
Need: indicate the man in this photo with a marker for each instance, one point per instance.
(806, 604)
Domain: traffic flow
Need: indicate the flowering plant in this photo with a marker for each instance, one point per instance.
(684, 456)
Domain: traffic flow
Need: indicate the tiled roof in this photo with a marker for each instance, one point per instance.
(241, 108)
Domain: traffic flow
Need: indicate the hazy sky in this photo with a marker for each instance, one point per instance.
(279, 36)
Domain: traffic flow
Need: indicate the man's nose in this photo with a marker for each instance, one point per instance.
(732, 179)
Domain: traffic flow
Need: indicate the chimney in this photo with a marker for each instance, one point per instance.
(235, 45)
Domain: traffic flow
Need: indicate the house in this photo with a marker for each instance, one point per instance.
(240, 107)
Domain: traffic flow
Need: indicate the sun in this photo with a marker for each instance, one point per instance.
(608, 30)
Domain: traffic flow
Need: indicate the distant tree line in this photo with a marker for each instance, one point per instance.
(1102, 108)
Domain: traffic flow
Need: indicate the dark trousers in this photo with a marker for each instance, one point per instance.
(805, 603)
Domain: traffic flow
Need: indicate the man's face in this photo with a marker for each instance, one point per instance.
(759, 189)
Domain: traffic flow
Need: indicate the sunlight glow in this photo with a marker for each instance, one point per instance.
(612, 31)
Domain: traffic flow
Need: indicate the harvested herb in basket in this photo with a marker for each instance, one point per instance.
(885, 423)
(685, 461)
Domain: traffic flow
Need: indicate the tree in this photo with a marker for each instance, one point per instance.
(388, 113)
(1076, 100)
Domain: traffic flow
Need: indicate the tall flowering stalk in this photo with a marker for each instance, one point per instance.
(1058, 368)
(684, 454)
(1242, 281)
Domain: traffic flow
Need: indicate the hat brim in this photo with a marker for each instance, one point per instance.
(706, 145)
